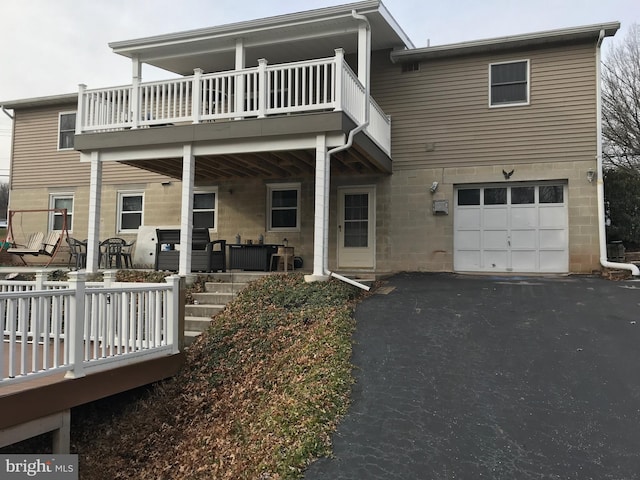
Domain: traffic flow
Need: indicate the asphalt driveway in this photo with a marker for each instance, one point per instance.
(467, 377)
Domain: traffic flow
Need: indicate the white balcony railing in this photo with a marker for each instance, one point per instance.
(258, 92)
(78, 326)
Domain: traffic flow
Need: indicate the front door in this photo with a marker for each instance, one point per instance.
(356, 224)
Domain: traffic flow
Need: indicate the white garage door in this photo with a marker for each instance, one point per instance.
(516, 228)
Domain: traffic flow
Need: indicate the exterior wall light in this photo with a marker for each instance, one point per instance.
(591, 175)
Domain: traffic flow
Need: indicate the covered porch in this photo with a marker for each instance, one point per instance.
(278, 101)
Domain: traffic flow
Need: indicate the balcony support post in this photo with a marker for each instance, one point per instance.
(239, 86)
(186, 215)
(321, 221)
(262, 87)
(95, 200)
(196, 98)
(337, 95)
(136, 70)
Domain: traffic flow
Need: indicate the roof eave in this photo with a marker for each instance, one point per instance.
(51, 100)
(240, 28)
(536, 39)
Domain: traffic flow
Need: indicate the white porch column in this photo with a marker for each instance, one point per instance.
(240, 65)
(186, 215)
(321, 221)
(136, 78)
(95, 200)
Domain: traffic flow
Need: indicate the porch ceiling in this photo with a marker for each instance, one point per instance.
(298, 163)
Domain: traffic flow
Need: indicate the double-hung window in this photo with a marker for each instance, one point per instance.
(205, 209)
(283, 207)
(130, 211)
(509, 83)
(60, 201)
(66, 130)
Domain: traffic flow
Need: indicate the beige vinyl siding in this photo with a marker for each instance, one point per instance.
(37, 162)
(441, 115)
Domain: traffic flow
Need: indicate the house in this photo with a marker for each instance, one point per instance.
(331, 129)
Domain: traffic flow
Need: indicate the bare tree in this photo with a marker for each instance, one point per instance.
(621, 103)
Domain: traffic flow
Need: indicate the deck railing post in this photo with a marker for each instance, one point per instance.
(339, 74)
(75, 325)
(41, 277)
(196, 98)
(81, 106)
(173, 317)
(108, 277)
(262, 87)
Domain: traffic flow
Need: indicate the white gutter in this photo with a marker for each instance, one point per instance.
(348, 144)
(600, 183)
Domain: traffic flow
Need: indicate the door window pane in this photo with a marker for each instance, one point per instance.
(356, 220)
(551, 193)
(522, 195)
(469, 196)
(495, 196)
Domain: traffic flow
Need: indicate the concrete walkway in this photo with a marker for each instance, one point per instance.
(470, 377)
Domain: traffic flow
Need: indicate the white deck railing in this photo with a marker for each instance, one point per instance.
(78, 326)
(258, 92)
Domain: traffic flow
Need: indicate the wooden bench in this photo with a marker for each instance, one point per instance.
(37, 244)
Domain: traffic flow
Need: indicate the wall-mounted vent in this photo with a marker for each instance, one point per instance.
(410, 67)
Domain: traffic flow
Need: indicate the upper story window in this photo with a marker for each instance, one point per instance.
(283, 207)
(60, 201)
(205, 209)
(509, 83)
(66, 130)
(130, 211)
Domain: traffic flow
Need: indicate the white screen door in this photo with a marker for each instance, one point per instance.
(356, 224)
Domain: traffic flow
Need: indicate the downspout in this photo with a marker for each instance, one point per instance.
(347, 145)
(600, 183)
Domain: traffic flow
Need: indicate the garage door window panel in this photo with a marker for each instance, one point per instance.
(468, 196)
(495, 196)
(551, 193)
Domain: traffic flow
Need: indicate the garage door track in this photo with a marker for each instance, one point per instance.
(468, 377)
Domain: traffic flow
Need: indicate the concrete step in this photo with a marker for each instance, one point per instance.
(205, 311)
(237, 277)
(189, 337)
(212, 298)
(196, 324)
(224, 287)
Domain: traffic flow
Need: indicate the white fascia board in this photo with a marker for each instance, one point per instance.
(241, 29)
(513, 41)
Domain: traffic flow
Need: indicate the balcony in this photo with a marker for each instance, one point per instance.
(320, 85)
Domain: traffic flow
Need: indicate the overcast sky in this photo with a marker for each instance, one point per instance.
(48, 47)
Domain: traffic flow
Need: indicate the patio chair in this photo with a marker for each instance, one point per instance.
(111, 252)
(77, 253)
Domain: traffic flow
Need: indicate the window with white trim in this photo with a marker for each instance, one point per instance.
(66, 130)
(60, 201)
(509, 83)
(205, 209)
(130, 211)
(283, 207)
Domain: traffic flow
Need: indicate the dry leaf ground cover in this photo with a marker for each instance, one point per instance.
(259, 395)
